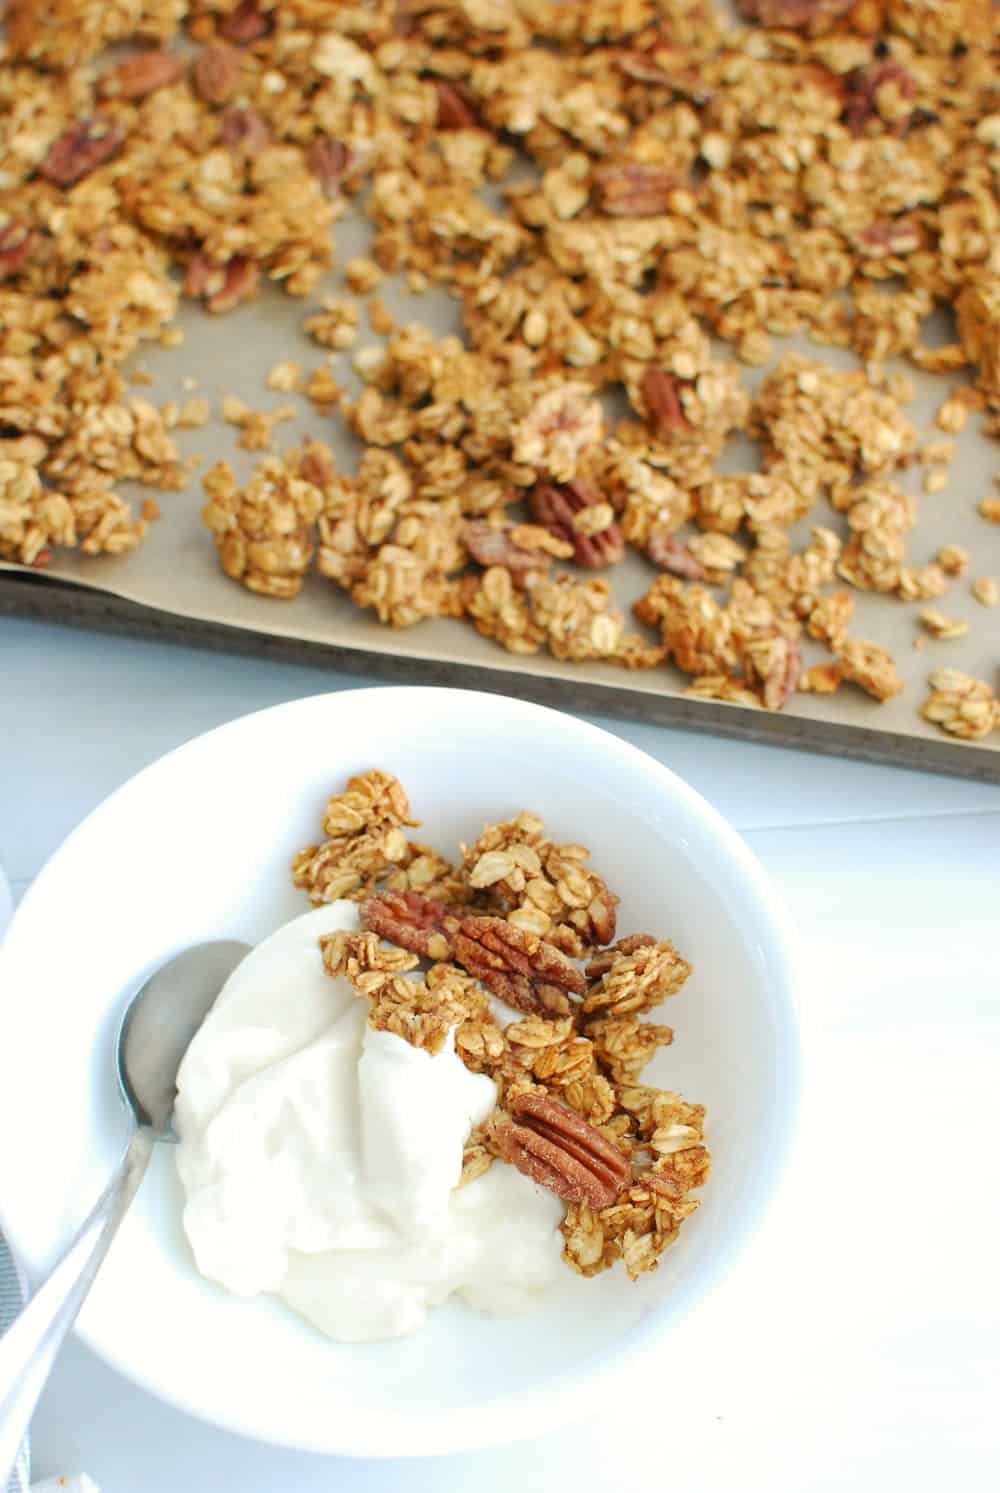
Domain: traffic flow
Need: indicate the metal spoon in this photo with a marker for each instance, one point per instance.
(155, 1033)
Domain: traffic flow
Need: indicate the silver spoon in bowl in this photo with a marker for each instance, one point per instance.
(155, 1033)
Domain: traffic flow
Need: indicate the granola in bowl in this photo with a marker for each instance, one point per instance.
(408, 1093)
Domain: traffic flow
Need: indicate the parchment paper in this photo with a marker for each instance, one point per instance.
(176, 571)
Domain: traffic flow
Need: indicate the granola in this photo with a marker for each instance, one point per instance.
(572, 1113)
(961, 705)
(603, 190)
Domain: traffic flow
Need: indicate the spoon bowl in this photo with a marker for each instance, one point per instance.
(159, 1023)
(155, 1032)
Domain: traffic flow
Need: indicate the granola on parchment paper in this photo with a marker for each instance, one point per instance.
(628, 206)
(523, 920)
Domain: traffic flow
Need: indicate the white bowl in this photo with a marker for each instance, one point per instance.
(197, 846)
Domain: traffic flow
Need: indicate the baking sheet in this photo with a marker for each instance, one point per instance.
(172, 586)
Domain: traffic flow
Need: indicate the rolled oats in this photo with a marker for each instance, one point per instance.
(961, 705)
(573, 1114)
(825, 170)
(869, 666)
(939, 626)
(265, 532)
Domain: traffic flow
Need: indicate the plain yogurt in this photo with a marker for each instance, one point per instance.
(320, 1158)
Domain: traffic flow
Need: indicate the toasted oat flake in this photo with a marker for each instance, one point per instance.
(985, 590)
(953, 559)
(362, 275)
(193, 414)
(935, 453)
(285, 377)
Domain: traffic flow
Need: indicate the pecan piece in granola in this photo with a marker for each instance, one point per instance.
(18, 242)
(660, 395)
(244, 130)
(244, 24)
(673, 555)
(890, 237)
(81, 149)
(410, 920)
(772, 667)
(216, 73)
(491, 546)
(221, 286)
(810, 16)
(602, 962)
(560, 1150)
(456, 106)
(862, 87)
(316, 465)
(577, 514)
(633, 189)
(517, 966)
(328, 159)
(141, 75)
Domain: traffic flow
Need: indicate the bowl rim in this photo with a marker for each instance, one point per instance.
(570, 1393)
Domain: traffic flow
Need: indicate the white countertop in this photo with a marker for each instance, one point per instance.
(858, 1341)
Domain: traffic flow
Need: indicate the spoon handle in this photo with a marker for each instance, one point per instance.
(29, 1346)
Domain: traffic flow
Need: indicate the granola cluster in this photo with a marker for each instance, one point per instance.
(603, 188)
(567, 1059)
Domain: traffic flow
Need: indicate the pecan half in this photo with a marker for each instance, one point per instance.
(772, 667)
(244, 24)
(794, 15)
(328, 159)
(80, 149)
(560, 1150)
(890, 237)
(456, 106)
(660, 392)
(861, 104)
(489, 546)
(496, 953)
(634, 190)
(221, 286)
(138, 76)
(673, 555)
(410, 920)
(18, 242)
(245, 130)
(517, 966)
(216, 73)
(559, 509)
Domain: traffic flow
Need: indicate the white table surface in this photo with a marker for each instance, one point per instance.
(858, 1342)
